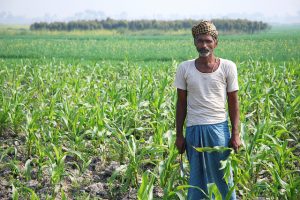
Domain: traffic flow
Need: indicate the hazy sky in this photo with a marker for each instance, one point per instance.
(276, 10)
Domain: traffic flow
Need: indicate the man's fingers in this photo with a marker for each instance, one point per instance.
(182, 149)
(180, 144)
(236, 147)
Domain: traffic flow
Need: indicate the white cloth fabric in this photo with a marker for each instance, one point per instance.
(206, 92)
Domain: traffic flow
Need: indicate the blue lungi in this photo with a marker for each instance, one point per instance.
(205, 167)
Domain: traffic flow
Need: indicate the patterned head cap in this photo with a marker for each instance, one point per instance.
(205, 27)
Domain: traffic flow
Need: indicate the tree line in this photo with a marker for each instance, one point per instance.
(224, 25)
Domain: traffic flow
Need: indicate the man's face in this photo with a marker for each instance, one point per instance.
(205, 44)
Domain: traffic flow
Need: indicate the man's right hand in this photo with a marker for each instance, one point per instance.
(180, 144)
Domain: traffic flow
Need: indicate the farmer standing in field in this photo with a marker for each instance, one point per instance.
(203, 85)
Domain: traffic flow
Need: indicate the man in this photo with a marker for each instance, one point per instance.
(203, 84)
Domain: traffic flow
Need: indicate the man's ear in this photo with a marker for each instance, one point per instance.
(216, 42)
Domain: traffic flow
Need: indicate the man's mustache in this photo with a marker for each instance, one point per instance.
(203, 50)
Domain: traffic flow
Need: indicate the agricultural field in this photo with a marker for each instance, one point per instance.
(91, 116)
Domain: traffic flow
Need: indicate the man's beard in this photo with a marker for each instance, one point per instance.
(204, 52)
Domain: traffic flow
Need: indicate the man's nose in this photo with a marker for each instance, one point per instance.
(203, 44)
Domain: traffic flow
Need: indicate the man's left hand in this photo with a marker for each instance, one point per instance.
(235, 142)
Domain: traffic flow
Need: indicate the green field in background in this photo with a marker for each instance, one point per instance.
(277, 45)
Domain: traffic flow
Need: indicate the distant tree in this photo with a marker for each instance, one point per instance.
(39, 26)
(225, 25)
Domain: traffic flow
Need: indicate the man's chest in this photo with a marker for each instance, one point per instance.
(215, 82)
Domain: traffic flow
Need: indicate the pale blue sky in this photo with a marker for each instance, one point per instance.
(266, 10)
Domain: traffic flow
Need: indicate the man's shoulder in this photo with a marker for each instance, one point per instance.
(187, 62)
(227, 62)
(227, 66)
(186, 65)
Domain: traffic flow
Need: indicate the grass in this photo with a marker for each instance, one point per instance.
(81, 112)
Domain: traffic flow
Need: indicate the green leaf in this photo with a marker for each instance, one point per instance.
(15, 193)
(180, 196)
(212, 149)
(229, 194)
(33, 195)
(146, 189)
(214, 191)
(63, 196)
(143, 186)
(27, 169)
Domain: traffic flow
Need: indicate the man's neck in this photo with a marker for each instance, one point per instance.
(206, 60)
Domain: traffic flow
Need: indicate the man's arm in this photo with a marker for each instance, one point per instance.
(181, 108)
(234, 114)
